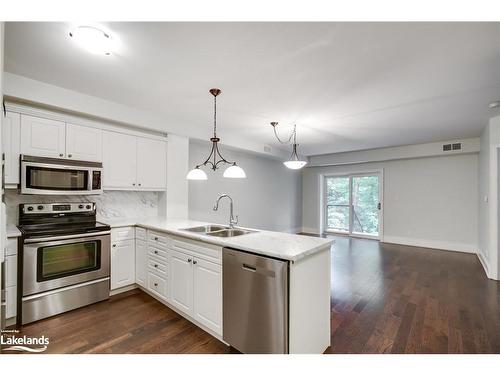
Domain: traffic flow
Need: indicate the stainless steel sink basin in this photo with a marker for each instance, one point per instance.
(205, 228)
(229, 233)
(218, 231)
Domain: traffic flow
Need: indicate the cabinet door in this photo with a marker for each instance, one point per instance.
(83, 143)
(42, 137)
(207, 288)
(181, 281)
(151, 164)
(141, 252)
(11, 302)
(119, 157)
(11, 139)
(122, 264)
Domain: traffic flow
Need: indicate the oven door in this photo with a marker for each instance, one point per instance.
(53, 179)
(56, 262)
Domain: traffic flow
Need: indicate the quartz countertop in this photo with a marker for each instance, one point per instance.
(291, 247)
(12, 231)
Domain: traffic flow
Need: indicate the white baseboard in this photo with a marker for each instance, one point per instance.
(432, 244)
(484, 263)
(122, 290)
(309, 230)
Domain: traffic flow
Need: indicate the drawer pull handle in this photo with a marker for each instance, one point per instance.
(194, 262)
(156, 266)
(189, 260)
(156, 238)
(156, 251)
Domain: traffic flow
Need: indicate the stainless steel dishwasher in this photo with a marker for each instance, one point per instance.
(255, 309)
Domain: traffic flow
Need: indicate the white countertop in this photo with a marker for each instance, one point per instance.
(280, 245)
(12, 231)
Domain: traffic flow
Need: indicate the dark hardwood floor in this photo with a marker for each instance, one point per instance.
(385, 299)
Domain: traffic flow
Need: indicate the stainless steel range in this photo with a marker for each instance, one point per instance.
(65, 259)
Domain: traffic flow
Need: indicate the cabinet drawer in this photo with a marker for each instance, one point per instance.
(155, 252)
(140, 234)
(157, 285)
(158, 268)
(11, 247)
(11, 302)
(11, 270)
(202, 250)
(121, 234)
(160, 239)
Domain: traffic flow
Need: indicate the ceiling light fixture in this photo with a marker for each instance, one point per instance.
(495, 104)
(294, 162)
(92, 39)
(215, 158)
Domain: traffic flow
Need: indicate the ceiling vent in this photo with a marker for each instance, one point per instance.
(452, 147)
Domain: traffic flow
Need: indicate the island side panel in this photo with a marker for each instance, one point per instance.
(309, 304)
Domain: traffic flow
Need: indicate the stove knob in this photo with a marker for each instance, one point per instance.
(80, 206)
(40, 207)
(30, 208)
(88, 207)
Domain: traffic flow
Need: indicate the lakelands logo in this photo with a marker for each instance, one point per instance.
(23, 343)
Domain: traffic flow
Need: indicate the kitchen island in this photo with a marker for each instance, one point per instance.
(307, 258)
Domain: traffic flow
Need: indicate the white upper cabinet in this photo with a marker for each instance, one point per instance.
(83, 143)
(119, 160)
(11, 138)
(151, 163)
(43, 137)
(133, 163)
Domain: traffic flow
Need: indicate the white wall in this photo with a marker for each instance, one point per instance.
(484, 197)
(269, 198)
(429, 202)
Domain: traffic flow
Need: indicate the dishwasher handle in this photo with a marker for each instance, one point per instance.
(246, 267)
(258, 270)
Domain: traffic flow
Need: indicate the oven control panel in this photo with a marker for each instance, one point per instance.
(48, 208)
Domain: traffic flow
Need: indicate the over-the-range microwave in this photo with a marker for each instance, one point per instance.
(52, 176)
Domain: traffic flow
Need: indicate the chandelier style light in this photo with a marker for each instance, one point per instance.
(215, 158)
(294, 162)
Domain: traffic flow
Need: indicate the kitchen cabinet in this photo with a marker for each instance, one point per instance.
(207, 289)
(122, 263)
(11, 138)
(151, 163)
(83, 143)
(181, 281)
(43, 137)
(11, 277)
(119, 160)
(141, 252)
(133, 163)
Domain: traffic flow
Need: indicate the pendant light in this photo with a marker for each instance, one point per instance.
(294, 162)
(215, 158)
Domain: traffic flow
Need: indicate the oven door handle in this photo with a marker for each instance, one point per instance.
(67, 237)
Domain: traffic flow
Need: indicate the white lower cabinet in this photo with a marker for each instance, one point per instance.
(11, 278)
(122, 263)
(181, 281)
(207, 288)
(141, 256)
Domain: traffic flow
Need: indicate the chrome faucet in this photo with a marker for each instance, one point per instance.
(232, 220)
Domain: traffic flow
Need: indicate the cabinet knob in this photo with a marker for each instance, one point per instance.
(133, 184)
(156, 266)
(69, 155)
(139, 184)
(189, 260)
(114, 245)
(156, 284)
(61, 155)
(156, 238)
(156, 251)
(194, 262)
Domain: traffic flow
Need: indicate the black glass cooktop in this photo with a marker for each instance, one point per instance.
(46, 230)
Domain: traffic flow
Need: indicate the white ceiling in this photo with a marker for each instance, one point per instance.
(348, 86)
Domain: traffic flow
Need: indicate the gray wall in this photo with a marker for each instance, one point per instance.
(269, 198)
(428, 202)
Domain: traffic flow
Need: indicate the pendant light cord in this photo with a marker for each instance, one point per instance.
(215, 116)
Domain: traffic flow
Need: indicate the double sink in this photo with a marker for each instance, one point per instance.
(218, 231)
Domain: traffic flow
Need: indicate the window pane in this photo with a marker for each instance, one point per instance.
(337, 190)
(365, 199)
(338, 218)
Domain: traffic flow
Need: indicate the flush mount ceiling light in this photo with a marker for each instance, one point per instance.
(92, 39)
(294, 162)
(215, 158)
(495, 104)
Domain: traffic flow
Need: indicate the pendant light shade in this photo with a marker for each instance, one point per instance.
(295, 164)
(196, 174)
(214, 159)
(234, 172)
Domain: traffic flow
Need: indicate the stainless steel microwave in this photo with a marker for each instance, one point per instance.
(52, 176)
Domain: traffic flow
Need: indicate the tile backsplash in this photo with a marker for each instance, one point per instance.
(109, 203)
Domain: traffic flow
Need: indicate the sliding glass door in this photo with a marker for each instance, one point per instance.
(353, 204)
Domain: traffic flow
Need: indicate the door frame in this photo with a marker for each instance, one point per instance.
(322, 201)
